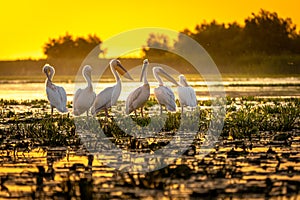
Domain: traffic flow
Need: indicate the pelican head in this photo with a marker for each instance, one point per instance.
(182, 80)
(116, 65)
(49, 71)
(161, 71)
(144, 69)
(87, 71)
(145, 61)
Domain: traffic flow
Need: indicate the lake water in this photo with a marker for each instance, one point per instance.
(262, 87)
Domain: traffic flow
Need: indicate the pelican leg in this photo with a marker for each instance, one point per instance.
(135, 114)
(142, 112)
(106, 113)
(181, 109)
(161, 110)
(87, 113)
(51, 111)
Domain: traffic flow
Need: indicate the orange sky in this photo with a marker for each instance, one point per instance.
(27, 25)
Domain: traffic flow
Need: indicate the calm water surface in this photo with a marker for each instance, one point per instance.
(271, 87)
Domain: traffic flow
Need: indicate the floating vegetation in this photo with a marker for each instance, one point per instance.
(256, 156)
(251, 118)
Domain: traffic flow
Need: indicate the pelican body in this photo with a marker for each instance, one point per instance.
(139, 96)
(110, 95)
(56, 95)
(186, 94)
(84, 98)
(163, 94)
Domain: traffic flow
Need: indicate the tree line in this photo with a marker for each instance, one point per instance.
(68, 47)
(264, 39)
(263, 35)
(264, 32)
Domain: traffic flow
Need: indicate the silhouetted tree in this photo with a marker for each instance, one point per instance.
(265, 32)
(218, 39)
(295, 46)
(157, 45)
(67, 47)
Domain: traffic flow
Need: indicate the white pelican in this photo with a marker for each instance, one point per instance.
(186, 93)
(56, 95)
(139, 96)
(163, 94)
(109, 96)
(84, 98)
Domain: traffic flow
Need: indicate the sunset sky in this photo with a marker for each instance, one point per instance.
(27, 25)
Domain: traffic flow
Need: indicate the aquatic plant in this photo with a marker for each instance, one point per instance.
(249, 119)
(243, 120)
(241, 123)
(280, 117)
(58, 131)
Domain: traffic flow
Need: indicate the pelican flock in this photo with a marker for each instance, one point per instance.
(84, 98)
(109, 96)
(186, 93)
(56, 95)
(139, 96)
(164, 94)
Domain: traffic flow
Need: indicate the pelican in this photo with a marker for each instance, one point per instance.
(186, 93)
(163, 94)
(139, 96)
(56, 95)
(84, 98)
(109, 96)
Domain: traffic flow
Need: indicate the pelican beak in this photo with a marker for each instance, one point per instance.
(123, 71)
(182, 81)
(167, 76)
(47, 72)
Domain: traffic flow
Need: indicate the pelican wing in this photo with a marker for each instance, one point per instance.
(76, 102)
(165, 96)
(137, 98)
(63, 96)
(103, 100)
(83, 100)
(57, 97)
(76, 96)
(187, 96)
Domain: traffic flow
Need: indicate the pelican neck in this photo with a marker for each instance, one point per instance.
(115, 73)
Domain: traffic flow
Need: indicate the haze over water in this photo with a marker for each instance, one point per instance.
(266, 87)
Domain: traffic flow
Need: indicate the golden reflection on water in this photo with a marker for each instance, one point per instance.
(23, 165)
(287, 86)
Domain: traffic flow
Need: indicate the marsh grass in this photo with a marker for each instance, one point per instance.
(246, 116)
(261, 115)
(44, 131)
